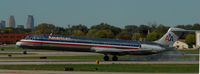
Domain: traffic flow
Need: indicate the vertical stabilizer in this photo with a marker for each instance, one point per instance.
(171, 36)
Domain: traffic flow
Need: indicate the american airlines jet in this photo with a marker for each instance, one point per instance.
(101, 45)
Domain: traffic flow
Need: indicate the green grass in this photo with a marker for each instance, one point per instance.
(11, 48)
(15, 48)
(94, 57)
(99, 57)
(191, 51)
(11, 53)
(187, 57)
(55, 57)
(17, 53)
(169, 68)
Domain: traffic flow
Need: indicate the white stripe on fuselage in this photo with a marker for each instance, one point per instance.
(79, 43)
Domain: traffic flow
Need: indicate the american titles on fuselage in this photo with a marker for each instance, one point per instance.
(58, 38)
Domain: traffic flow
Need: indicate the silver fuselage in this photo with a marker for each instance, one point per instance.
(98, 45)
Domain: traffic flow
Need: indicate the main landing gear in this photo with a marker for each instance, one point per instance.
(114, 58)
(106, 58)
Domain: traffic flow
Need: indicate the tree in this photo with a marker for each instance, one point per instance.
(153, 27)
(196, 26)
(104, 26)
(8, 30)
(162, 29)
(91, 33)
(190, 39)
(71, 30)
(14, 30)
(80, 27)
(188, 27)
(153, 36)
(60, 31)
(44, 28)
(124, 35)
(28, 30)
(78, 33)
(131, 28)
(180, 26)
(136, 36)
(104, 34)
(143, 29)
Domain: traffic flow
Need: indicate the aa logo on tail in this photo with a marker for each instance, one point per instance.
(169, 37)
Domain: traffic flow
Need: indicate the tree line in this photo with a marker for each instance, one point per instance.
(103, 30)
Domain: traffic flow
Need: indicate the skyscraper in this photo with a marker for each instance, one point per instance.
(30, 22)
(2, 24)
(11, 22)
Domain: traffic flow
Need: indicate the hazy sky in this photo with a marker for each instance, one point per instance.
(92, 12)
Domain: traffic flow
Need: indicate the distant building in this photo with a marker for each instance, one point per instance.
(20, 26)
(197, 39)
(180, 44)
(11, 38)
(11, 22)
(2, 24)
(30, 22)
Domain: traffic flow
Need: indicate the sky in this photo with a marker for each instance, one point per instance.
(92, 12)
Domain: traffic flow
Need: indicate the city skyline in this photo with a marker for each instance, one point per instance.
(92, 12)
(12, 23)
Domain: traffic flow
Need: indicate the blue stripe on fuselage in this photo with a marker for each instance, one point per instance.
(89, 42)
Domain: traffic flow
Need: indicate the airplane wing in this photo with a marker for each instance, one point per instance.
(110, 50)
(115, 51)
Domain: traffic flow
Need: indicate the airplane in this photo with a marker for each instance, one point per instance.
(104, 46)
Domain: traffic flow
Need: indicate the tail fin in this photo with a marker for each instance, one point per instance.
(171, 36)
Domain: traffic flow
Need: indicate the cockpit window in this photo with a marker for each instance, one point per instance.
(28, 37)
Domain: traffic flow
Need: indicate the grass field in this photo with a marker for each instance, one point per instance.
(190, 51)
(17, 53)
(15, 48)
(99, 57)
(159, 68)
(93, 57)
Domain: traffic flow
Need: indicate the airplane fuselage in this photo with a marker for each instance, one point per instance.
(105, 46)
(83, 44)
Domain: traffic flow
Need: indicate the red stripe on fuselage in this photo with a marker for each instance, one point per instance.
(87, 45)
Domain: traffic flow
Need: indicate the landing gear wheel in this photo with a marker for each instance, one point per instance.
(115, 58)
(106, 58)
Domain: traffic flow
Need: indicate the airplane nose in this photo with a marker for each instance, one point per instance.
(19, 44)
